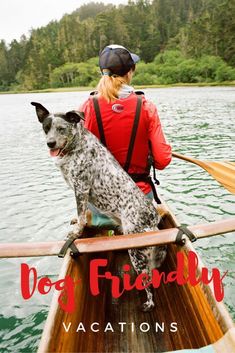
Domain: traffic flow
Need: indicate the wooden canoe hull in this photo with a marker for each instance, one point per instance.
(200, 319)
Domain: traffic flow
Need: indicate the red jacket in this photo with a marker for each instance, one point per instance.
(118, 123)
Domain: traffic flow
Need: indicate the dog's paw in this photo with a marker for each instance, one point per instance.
(147, 306)
(73, 221)
(70, 235)
(73, 235)
(76, 229)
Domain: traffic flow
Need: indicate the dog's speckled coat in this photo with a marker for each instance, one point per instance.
(95, 176)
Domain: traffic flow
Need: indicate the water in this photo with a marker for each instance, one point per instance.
(36, 204)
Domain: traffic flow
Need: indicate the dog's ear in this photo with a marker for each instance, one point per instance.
(74, 117)
(41, 111)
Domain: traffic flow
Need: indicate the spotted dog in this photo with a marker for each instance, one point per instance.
(96, 177)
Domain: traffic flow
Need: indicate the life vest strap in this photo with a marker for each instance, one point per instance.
(99, 120)
(133, 133)
(136, 177)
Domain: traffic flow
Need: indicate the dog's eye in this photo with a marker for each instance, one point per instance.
(61, 129)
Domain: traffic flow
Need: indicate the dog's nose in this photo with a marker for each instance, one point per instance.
(51, 143)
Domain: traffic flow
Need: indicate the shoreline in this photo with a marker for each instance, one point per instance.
(80, 89)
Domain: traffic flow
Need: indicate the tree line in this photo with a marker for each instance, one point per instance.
(177, 40)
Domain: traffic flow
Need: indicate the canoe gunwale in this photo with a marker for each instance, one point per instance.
(54, 307)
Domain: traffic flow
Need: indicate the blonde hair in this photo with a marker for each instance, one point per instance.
(109, 86)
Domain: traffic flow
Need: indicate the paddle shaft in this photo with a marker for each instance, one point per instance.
(203, 164)
(185, 158)
(100, 244)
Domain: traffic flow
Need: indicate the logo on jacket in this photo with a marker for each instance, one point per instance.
(117, 108)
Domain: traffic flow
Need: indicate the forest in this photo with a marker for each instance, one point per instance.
(179, 41)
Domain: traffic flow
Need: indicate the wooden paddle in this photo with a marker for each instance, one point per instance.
(131, 241)
(223, 172)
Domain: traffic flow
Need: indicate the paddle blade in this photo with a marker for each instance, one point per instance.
(223, 172)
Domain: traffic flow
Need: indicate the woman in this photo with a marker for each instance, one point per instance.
(125, 122)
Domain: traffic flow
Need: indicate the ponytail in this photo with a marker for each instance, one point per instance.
(109, 86)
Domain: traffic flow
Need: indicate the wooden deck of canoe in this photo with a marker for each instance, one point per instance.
(200, 319)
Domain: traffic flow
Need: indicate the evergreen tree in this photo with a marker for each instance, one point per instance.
(196, 28)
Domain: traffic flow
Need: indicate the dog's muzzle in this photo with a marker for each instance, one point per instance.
(54, 152)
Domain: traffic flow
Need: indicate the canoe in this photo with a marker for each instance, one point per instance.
(201, 321)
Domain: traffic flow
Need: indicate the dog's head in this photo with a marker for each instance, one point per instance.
(59, 128)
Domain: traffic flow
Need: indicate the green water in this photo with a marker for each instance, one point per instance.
(36, 204)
